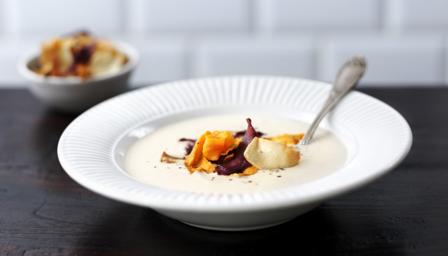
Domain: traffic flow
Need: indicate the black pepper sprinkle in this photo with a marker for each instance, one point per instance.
(230, 179)
(279, 176)
(154, 166)
(281, 169)
(250, 181)
(213, 178)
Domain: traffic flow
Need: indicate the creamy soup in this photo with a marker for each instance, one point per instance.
(323, 156)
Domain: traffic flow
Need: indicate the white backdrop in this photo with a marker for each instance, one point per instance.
(404, 40)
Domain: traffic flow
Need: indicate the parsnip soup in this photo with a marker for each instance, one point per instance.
(323, 156)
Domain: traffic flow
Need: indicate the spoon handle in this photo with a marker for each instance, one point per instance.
(347, 79)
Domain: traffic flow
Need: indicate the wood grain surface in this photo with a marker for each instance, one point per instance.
(44, 212)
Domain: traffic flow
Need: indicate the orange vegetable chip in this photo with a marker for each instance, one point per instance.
(288, 139)
(249, 171)
(210, 147)
(194, 160)
(218, 143)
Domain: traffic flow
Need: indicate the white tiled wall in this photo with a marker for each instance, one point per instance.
(404, 59)
(195, 16)
(424, 14)
(322, 15)
(289, 57)
(59, 16)
(161, 59)
(404, 40)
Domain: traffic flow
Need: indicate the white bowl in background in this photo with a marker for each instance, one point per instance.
(73, 94)
(92, 148)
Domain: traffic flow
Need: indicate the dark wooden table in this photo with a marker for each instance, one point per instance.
(44, 212)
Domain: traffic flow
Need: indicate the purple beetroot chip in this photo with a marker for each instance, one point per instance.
(238, 163)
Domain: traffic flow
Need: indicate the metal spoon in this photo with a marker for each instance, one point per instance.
(347, 79)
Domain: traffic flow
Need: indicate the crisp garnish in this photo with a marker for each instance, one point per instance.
(268, 154)
(80, 55)
(226, 152)
(167, 158)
